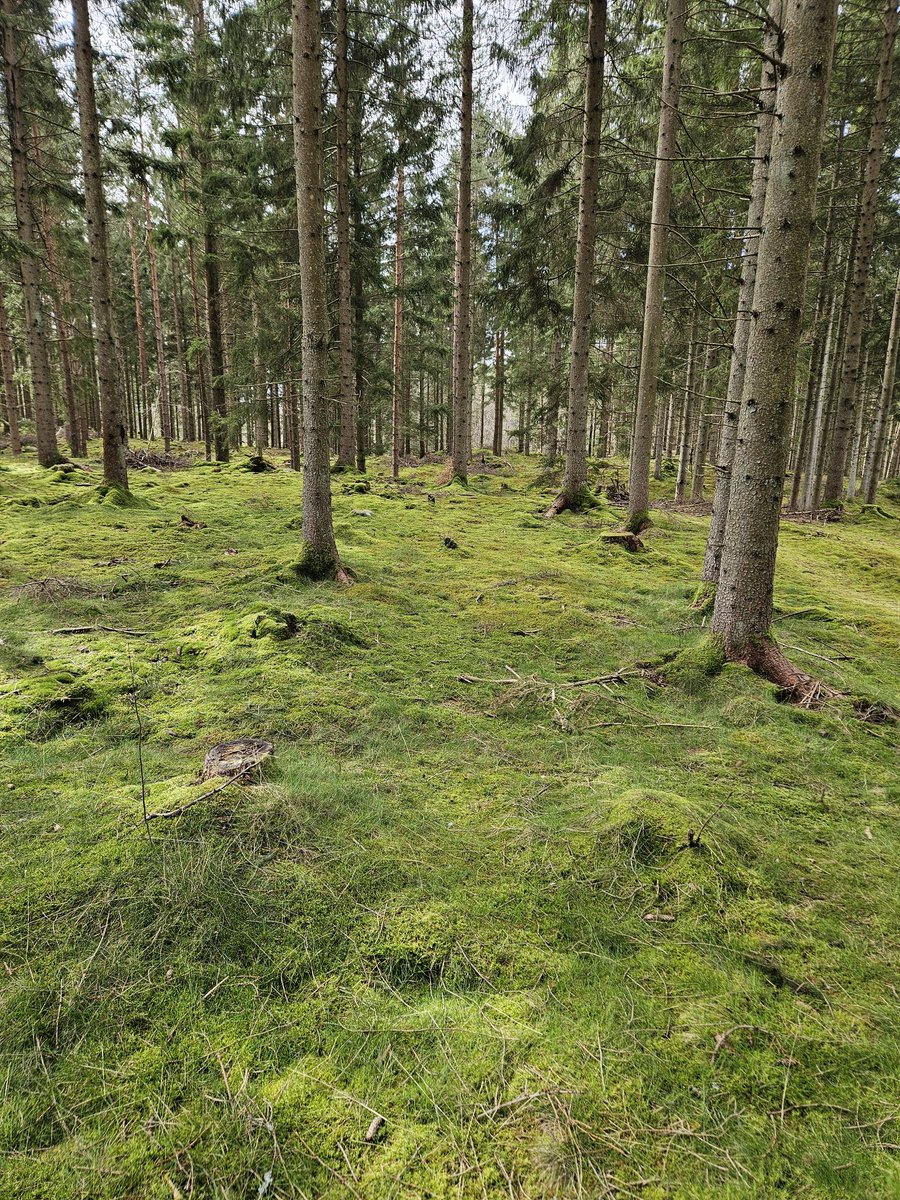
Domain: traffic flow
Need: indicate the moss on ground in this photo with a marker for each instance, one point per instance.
(633, 940)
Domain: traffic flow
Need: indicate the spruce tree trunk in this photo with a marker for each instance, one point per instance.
(639, 472)
(575, 478)
(687, 415)
(348, 396)
(847, 394)
(260, 400)
(461, 445)
(165, 404)
(8, 368)
(77, 439)
(320, 558)
(143, 398)
(202, 381)
(554, 392)
(112, 415)
(397, 381)
(758, 183)
(818, 423)
(499, 388)
(29, 262)
(743, 609)
(219, 416)
(882, 412)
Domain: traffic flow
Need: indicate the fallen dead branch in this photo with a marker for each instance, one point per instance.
(102, 629)
(176, 812)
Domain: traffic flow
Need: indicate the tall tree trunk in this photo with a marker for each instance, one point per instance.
(461, 447)
(260, 400)
(165, 406)
(29, 263)
(883, 409)
(202, 381)
(8, 369)
(320, 557)
(759, 180)
(847, 394)
(77, 438)
(703, 419)
(687, 416)
(112, 415)
(554, 393)
(639, 473)
(188, 422)
(397, 358)
(499, 388)
(575, 478)
(347, 434)
(743, 609)
(819, 417)
(143, 398)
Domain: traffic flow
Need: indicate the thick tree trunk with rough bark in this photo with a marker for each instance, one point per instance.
(10, 390)
(461, 441)
(112, 413)
(320, 558)
(758, 183)
(347, 398)
(397, 359)
(877, 437)
(641, 444)
(743, 609)
(575, 478)
(29, 263)
(847, 395)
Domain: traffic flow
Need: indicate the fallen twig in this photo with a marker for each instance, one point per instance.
(102, 629)
(176, 812)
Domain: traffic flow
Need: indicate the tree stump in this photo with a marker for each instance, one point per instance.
(229, 759)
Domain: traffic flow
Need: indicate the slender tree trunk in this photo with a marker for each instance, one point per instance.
(348, 395)
(8, 368)
(687, 420)
(461, 446)
(188, 423)
(703, 418)
(320, 558)
(554, 392)
(499, 388)
(639, 473)
(819, 418)
(398, 364)
(165, 406)
(759, 181)
(847, 395)
(883, 409)
(29, 263)
(260, 399)
(575, 479)
(77, 440)
(202, 382)
(743, 608)
(143, 398)
(112, 416)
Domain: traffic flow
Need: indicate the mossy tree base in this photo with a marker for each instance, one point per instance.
(578, 501)
(705, 596)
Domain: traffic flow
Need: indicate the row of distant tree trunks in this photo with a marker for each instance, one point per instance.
(748, 400)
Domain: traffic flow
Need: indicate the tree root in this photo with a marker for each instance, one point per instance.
(560, 504)
(767, 660)
(630, 541)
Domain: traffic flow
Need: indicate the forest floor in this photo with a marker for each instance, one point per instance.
(462, 896)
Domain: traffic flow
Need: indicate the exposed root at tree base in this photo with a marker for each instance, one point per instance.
(560, 504)
(794, 685)
(343, 577)
(630, 541)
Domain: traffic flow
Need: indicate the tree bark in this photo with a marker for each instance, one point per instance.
(847, 394)
(758, 183)
(10, 390)
(743, 608)
(397, 360)
(818, 423)
(687, 414)
(875, 453)
(575, 477)
(29, 263)
(320, 558)
(112, 415)
(347, 399)
(639, 473)
(499, 390)
(461, 446)
(165, 405)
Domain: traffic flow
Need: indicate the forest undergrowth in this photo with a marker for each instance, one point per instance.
(506, 914)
